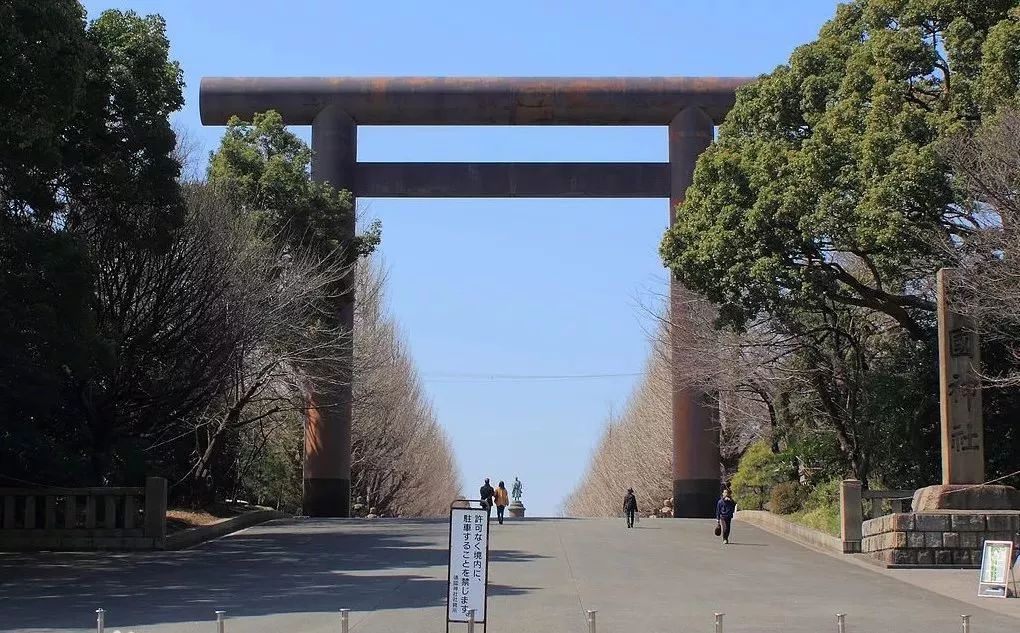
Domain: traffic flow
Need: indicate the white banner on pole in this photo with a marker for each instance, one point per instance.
(469, 564)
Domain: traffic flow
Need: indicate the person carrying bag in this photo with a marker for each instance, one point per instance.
(724, 510)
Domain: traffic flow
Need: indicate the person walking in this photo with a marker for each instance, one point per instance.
(630, 506)
(502, 499)
(724, 510)
(485, 494)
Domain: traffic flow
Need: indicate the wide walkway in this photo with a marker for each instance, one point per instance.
(293, 576)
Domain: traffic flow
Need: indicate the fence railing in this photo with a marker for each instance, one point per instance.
(220, 621)
(851, 510)
(84, 518)
(898, 500)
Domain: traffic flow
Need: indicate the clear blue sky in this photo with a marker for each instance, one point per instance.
(537, 287)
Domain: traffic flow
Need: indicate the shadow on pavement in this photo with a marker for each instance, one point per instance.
(275, 568)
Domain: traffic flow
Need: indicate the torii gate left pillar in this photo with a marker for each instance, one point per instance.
(335, 106)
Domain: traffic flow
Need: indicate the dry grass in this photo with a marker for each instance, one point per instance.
(185, 518)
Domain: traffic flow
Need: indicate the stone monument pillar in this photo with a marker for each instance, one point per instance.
(962, 426)
(327, 463)
(696, 481)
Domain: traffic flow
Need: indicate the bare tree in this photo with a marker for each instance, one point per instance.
(635, 451)
(280, 299)
(810, 375)
(186, 153)
(988, 165)
(171, 333)
(402, 461)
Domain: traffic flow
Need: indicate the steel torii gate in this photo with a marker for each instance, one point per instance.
(335, 106)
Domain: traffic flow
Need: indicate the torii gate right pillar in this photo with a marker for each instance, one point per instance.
(696, 481)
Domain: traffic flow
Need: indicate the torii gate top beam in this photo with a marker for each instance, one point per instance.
(469, 100)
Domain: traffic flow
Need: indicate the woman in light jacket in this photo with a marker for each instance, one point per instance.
(501, 500)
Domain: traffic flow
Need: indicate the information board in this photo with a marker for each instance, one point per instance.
(469, 564)
(996, 569)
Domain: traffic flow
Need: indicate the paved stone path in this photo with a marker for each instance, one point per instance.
(293, 576)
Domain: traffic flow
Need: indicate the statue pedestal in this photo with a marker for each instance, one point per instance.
(515, 510)
(966, 497)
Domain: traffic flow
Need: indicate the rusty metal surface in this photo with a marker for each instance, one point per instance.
(327, 457)
(512, 180)
(469, 100)
(695, 429)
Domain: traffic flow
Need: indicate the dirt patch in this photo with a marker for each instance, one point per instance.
(185, 518)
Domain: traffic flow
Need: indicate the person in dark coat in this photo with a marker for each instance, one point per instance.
(485, 494)
(630, 506)
(724, 510)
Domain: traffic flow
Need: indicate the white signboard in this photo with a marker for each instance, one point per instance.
(996, 569)
(469, 564)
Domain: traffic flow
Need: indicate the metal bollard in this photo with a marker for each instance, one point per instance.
(965, 623)
(471, 620)
(718, 622)
(344, 619)
(840, 623)
(220, 617)
(591, 620)
(100, 620)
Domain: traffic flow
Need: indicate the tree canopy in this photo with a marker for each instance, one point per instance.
(86, 133)
(826, 182)
(156, 327)
(267, 167)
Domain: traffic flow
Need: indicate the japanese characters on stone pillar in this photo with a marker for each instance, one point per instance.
(963, 454)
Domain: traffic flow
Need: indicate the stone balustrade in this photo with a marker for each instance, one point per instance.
(84, 518)
(852, 502)
(899, 501)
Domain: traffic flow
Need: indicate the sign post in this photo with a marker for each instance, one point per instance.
(468, 571)
(996, 570)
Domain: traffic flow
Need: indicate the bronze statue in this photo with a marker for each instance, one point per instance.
(517, 490)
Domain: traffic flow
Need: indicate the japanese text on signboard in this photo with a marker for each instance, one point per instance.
(469, 535)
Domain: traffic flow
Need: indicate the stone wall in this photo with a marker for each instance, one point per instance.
(950, 538)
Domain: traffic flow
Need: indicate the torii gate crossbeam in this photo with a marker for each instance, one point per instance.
(335, 106)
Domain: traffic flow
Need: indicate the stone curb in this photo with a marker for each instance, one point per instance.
(196, 535)
(791, 531)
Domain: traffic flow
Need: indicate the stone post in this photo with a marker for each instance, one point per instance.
(155, 510)
(327, 460)
(851, 515)
(696, 481)
(963, 454)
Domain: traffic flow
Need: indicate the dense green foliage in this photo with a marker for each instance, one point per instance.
(785, 497)
(832, 159)
(85, 171)
(820, 507)
(263, 164)
(760, 469)
(823, 212)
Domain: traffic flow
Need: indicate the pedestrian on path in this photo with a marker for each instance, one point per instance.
(630, 506)
(724, 510)
(485, 494)
(502, 499)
